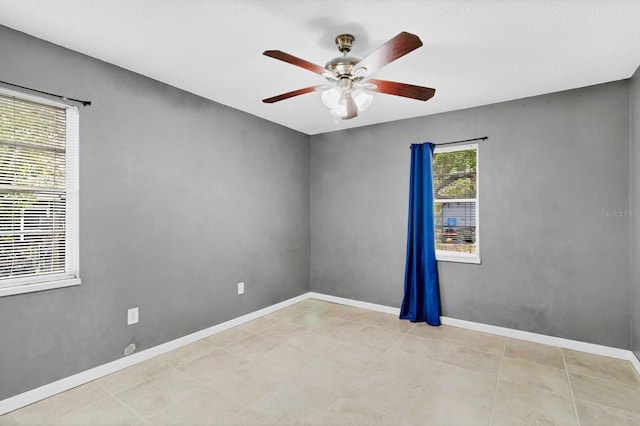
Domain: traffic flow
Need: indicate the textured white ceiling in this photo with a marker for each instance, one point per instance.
(474, 53)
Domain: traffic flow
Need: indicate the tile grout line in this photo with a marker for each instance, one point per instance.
(573, 398)
(165, 370)
(374, 363)
(124, 403)
(248, 362)
(338, 315)
(614, 409)
(462, 345)
(608, 380)
(415, 399)
(421, 389)
(86, 405)
(495, 396)
(308, 330)
(130, 408)
(192, 379)
(77, 409)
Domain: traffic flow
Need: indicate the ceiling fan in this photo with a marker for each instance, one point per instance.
(349, 76)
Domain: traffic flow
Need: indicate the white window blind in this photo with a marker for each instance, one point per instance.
(38, 191)
(455, 185)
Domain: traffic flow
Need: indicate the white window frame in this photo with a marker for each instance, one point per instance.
(446, 256)
(71, 277)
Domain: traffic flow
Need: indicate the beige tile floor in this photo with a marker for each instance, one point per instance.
(318, 363)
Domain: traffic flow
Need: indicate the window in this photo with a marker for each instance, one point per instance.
(38, 194)
(455, 187)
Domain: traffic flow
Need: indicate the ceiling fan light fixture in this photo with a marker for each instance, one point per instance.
(335, 99)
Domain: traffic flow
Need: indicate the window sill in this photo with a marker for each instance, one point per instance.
(30, 288)
(458, 258)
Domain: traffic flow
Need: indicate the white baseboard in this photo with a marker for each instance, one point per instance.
(45, 391)
(50, 389)
(355, 303)
(560, 342)
(500, 331)
(636, 362)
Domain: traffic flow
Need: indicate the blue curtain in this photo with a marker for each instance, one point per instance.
(421, 295)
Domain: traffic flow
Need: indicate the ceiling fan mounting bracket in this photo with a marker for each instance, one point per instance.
(344, 43)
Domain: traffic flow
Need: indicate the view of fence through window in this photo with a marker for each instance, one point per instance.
(32, 188)
(455, 199)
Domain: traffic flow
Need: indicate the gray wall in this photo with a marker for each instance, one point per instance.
(181, 198)
(552, 262)
(634, 104)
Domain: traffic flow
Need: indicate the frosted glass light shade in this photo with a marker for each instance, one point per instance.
(362, 98)
(332, 99)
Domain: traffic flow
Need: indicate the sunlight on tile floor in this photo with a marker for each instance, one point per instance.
(318, 363)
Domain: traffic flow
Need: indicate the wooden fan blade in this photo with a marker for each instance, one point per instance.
(395, 48)
(352, 109)
(291, 94)
(285, 57)
(401, 89)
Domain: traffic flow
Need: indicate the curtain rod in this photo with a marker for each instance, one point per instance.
(84, 103)
(465, 140)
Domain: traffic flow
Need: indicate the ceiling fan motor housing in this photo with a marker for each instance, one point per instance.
(342, 66)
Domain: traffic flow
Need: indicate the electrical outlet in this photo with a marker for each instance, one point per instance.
(132, 316)
(241, 288)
